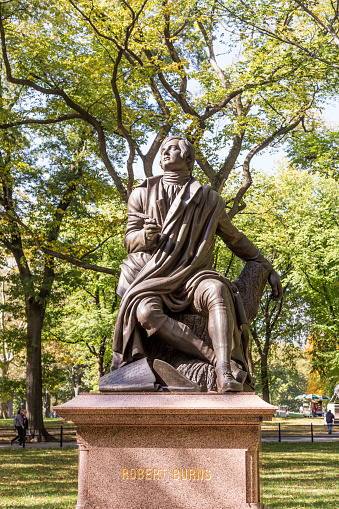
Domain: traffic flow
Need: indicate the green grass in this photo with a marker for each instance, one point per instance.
(294, 476)
(299, 421)
(300, 475)
(49, 423)
(44, 478)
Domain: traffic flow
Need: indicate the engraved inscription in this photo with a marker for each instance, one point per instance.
(159, 474)
(191, 474)
(149, 474)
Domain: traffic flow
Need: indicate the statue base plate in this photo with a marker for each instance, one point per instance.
(167, 450)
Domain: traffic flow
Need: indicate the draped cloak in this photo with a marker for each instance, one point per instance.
(173, 265)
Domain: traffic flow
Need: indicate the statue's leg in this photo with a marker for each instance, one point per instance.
(151, 316)
(213, 296)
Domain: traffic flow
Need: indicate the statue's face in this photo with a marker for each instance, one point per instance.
(170, 157)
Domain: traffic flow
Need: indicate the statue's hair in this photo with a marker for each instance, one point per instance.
(187, 150)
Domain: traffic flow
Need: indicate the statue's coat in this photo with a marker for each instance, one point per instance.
(173, 265)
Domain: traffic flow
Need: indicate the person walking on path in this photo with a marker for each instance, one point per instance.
(329, 421)
(19, 424)
(25, 421)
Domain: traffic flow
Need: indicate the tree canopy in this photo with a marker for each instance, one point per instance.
(89, 90)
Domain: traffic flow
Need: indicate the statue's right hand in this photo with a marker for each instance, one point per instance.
(152, 229)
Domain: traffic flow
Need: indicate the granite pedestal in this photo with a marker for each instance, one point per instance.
(168, 451)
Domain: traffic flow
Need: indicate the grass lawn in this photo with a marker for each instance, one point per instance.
(294, 476)
(300, 475)
(43, 478)
(49, 423)
(298, 421)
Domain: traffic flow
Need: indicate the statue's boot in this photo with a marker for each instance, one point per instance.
(225, 380)
(220, 329)
(181, 337)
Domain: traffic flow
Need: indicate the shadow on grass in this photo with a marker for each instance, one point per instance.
(44, 478)
(300, 475)
(294, 476)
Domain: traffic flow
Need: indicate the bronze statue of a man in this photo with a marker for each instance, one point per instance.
(170, 234)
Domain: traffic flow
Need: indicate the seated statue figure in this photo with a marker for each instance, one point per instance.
(170, 235)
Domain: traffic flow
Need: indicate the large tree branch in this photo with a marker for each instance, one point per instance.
(256, 337)
(329, 29)
(74, 106)
(237, 92)
(163, 131)
(128, 54)
(229, 162)
(209, 43)
(58, 216)
(62, 118)
(286, 40)
(96, 247)
(50, 252)
(148, 158)
(174, 55)
(15, 244)
(180, 98)
(120, 123)
(206, 167)
(246, 166)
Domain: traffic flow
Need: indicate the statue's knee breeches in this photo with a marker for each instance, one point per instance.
(210, 293)
(150, 314)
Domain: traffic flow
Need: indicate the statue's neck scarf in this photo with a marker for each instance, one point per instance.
(177, 178)
(173, 181)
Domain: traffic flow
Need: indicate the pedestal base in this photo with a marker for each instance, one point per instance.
(168, 451)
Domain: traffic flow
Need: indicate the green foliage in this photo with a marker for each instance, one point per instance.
(289, 368)
(291, 216)
(132, 72)
(317, 151)
(89, 90)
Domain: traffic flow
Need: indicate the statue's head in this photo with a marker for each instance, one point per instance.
(176, 153)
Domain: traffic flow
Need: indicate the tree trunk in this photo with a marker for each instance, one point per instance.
(250, 361)
(35, 317)
(101, 356)
(47, 405)
(10, 408)
(264, 378)
(76, 376)
(100, 364)
(3, 409)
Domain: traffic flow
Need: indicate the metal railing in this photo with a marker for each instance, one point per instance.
(281, 432)
(60, 434)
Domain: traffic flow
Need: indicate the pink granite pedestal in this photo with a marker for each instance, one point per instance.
(168, 451)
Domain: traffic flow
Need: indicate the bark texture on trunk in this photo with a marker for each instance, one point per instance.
(47, 404)
(264, 378)
(35, 316)
(3, 409)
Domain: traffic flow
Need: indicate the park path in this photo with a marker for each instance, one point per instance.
(323, 437)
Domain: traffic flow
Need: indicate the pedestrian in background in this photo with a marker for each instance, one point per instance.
(19, 424)
(329, 421)
(25, 420)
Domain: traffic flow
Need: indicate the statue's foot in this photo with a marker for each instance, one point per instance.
(226, 381)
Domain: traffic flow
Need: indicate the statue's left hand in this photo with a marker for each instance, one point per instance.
(275, 284)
